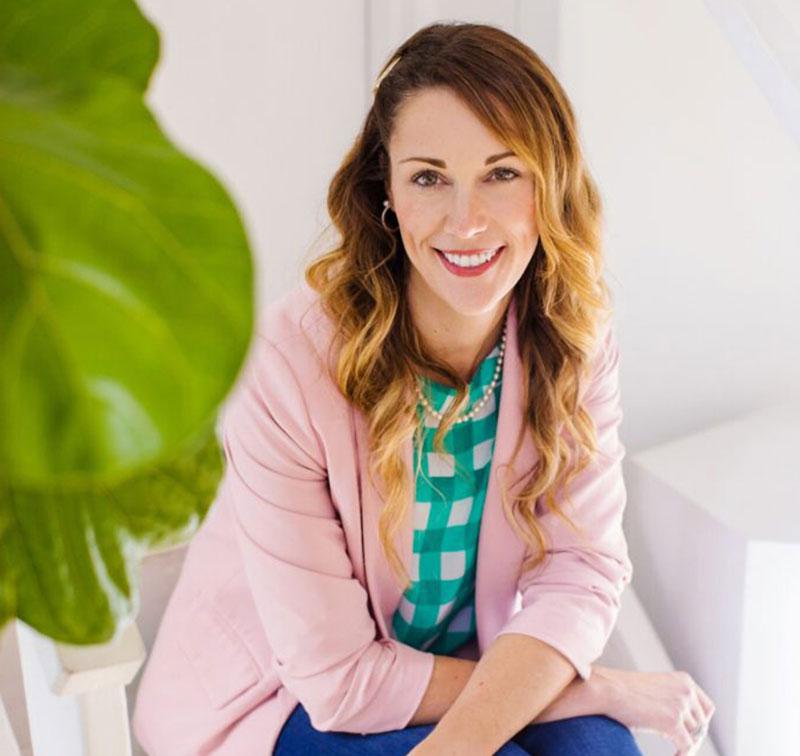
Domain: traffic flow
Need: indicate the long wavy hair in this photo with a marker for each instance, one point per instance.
(561, 297)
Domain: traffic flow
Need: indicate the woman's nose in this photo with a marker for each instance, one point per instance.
(465, 216)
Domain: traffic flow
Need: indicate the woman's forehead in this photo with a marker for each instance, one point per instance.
(436, 123)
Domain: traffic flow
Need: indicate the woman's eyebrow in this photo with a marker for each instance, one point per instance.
(441, 164)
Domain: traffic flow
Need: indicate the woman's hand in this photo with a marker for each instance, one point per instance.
(671, 704)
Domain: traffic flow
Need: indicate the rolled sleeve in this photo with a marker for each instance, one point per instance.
(313, 610)
(572, 603)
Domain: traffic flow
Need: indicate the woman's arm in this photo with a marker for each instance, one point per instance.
(670, 704)
(518, 681)
(515, 679)
(450, 675)
(313, 610)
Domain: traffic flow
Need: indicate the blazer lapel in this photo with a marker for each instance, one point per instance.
(500, 550)
(381, 584)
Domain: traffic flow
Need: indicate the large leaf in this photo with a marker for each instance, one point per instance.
(126, 310)
(75, 552)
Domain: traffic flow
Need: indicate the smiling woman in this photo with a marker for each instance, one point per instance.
(428, 429)
(469, 229)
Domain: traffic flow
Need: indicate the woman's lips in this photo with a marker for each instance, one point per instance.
(468, 251)
(476, 270)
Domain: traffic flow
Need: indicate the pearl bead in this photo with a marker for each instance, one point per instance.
(487, 393)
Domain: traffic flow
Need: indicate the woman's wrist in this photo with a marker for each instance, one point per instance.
(597, 695)
(582, 698)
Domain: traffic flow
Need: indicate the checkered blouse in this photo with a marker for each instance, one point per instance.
(437, 611)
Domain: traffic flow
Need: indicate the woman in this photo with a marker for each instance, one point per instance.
(425, 427)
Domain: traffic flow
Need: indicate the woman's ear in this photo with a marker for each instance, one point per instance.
(388, 190)
(387, 176)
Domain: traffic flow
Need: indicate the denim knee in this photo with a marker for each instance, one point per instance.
(594, 735)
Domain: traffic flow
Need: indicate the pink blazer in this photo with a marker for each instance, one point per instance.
(284, 595)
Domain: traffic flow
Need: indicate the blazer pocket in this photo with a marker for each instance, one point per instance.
(225, 667)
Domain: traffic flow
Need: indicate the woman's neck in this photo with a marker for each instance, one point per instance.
(463, 342)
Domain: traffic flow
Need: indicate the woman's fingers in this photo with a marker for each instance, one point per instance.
(692, 719)
(696, 711)
(669, 703)
(705, 702)
(687, 744)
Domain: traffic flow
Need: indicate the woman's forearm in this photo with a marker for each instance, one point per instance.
(450, 676)
(517, 677)
(579, 699)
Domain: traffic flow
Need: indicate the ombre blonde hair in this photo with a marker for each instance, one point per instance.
(561, 297)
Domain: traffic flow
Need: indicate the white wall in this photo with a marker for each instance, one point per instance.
(269, 96)
(701, 180)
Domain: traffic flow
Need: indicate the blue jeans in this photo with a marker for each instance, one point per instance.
(576, 736)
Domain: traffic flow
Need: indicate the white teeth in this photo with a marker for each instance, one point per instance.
(470, 261)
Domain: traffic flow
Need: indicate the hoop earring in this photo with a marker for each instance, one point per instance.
(383, 217)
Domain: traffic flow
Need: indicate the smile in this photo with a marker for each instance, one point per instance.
(469, 264)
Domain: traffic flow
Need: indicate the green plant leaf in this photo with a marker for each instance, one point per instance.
(126, 310)
(76, 40)
(76, 552)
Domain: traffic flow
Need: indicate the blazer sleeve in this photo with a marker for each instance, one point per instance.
(572, 603)
(313, 610)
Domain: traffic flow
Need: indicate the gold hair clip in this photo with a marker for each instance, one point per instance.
(384, 74)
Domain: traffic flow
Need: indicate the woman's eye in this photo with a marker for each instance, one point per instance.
(509, 173)
(423, 174)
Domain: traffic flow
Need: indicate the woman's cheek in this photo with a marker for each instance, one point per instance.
(418, 214)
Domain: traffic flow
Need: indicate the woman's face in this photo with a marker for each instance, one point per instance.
(452, 192)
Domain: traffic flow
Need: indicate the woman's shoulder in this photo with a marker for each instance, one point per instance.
(291, 341)
(296, 313)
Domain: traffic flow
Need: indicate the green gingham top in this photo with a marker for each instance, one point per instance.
(437, 611)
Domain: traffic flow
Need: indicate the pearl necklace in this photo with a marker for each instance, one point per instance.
(487, 393)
